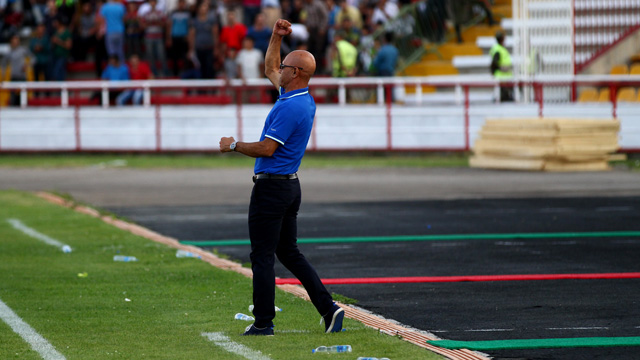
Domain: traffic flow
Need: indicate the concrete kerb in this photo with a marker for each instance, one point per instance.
(386, 326)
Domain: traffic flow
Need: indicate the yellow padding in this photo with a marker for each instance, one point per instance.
(448, 51)
(502, 11)
(502, 2)
(621, 69)
(428, 68)
(627, 94)
(604, 96)
(588, 95)
(472, 33)
(4, 94)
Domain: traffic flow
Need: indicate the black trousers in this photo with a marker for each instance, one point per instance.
(273, 231)
(178, 53)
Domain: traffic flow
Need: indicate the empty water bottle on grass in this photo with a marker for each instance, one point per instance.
(124, 258)
(241, 316)
(332, 349)
(371, 358)
(186, 254)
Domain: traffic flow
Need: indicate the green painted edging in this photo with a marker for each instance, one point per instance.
(538, 343)
(358, 239)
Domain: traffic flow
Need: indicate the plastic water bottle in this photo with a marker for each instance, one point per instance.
(332, 349)
(186, 254)
(251, 308)
(124, 258)
(241, 316)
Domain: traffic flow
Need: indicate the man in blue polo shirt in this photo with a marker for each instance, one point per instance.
(276, 195)
(113, 13)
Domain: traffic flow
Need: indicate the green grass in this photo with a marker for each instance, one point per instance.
(172, 300)
(632, 163)
(216, 160)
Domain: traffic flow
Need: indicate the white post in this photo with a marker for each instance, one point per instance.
(23, 96)
(105, 96)
(380, 93)
(146, 95)
(64, 96)
(342, 93)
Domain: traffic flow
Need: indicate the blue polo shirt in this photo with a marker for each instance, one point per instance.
(289, 123)
(113, 14)
(386, 60)
(120, 73)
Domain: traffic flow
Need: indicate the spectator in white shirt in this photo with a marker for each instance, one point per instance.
(249, 60)
(250, 66)
(384, 12)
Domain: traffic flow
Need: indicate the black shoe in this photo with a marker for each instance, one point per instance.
(252, 330)
(333, 320)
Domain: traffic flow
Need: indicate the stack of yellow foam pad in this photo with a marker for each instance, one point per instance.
(546, 144)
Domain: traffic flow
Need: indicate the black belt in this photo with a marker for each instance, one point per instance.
(275, 177)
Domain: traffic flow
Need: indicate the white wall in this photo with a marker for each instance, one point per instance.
(349, 127)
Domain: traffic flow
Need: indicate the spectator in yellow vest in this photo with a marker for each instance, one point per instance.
(344, 57)
(501, 66)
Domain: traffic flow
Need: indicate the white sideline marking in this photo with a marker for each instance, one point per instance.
(581, 328)
(556, 210)
(233, 347)
(614, 208)
(293, 331)
(37, 342)
(488, 330)
(334, 247)
(448, 244)
(510, 243)
(18, 225)
(550, 328)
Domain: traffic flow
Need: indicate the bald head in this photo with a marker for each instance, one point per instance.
(303, 59)
(296, 71)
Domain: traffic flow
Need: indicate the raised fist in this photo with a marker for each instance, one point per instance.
(282, 27)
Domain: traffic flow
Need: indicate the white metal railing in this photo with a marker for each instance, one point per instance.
(383, 86)
(600, 23)
(581, 30)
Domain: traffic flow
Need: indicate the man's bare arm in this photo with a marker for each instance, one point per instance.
(264, 148)
(272, 59)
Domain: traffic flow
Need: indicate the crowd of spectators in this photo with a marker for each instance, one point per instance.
(207, 39)
(193, 38)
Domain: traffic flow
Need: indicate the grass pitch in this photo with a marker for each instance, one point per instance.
(217, 160)
(172, 301)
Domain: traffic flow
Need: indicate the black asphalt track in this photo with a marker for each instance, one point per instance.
(463, 311)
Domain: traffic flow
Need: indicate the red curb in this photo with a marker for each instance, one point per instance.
(466, 278)
(413, 336)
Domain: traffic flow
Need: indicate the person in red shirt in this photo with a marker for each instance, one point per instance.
(138, 71)
(232, 34)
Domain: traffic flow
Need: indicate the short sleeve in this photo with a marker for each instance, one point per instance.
(283, 125)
